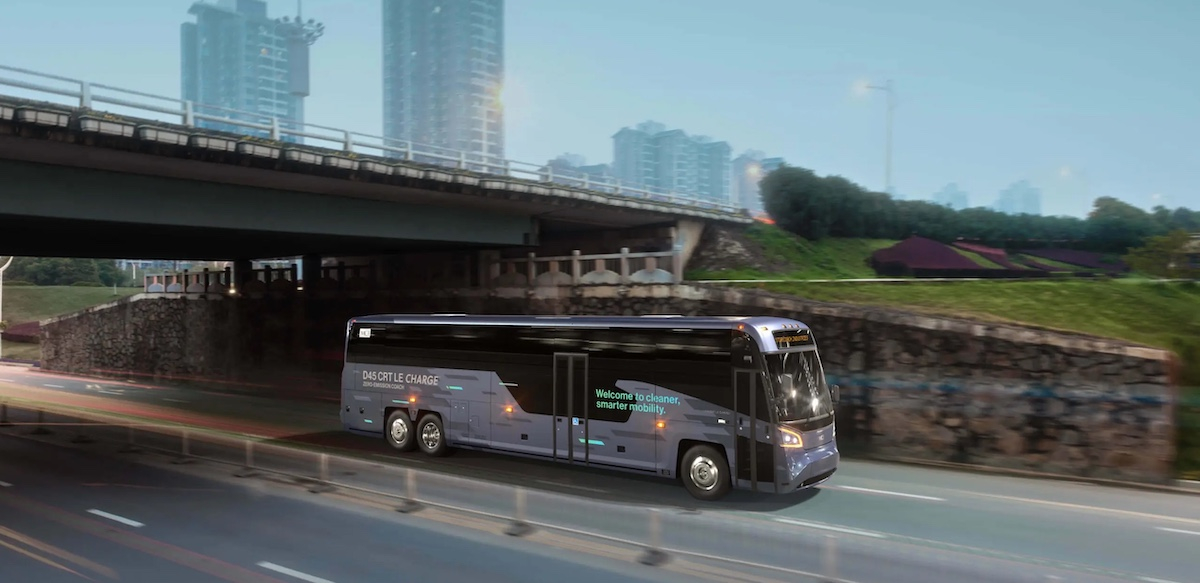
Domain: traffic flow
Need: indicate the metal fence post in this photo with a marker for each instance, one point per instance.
(322, 484)
(4, 422)
(248, 469)
(518, 526)
(830, 559)
(185, 457)
(409, 503)
(40, 429)
(654, 555)
(130, 445)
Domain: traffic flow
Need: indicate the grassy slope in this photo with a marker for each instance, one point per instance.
(826, 259)
(32, 303)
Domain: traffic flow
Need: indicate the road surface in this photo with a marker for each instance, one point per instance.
(68, 516)
(1071, 527)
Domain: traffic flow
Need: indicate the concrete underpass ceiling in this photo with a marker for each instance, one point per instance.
(37, 237)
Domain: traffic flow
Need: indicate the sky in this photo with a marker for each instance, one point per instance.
(1085, 98)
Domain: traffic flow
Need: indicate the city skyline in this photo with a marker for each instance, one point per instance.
(233, 56)
(994, 109)
(443, 67)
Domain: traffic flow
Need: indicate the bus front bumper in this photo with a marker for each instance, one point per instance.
(809, 467)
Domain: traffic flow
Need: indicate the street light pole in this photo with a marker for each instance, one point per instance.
(2, 268)
(891, 109)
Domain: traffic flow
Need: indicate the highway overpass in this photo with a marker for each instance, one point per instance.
(79, 182)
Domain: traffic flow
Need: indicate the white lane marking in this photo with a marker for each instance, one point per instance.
(5, 485)
(116, 518)
(7, 381)
(1178, 531)
(53, 386)
(885, 492)
(584, 488)
(292, 573)
(175, 400)
(1153, 580)
(841, 529)
(1085, 508)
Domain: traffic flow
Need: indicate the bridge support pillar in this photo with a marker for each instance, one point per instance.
(310, 270)
(241, 271)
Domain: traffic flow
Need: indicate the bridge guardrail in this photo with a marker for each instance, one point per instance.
(794, 551)
(86, 94)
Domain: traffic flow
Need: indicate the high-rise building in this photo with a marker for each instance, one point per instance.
(443, 71)
(748, 170)
(1020, 197)
(649, 155)
(234, 57)
(952, 196)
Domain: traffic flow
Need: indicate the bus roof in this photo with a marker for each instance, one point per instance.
(649, 321)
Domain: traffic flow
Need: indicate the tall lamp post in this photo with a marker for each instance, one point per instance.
(2, 268)
(891, 108)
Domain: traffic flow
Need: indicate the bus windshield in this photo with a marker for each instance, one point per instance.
(798, 389)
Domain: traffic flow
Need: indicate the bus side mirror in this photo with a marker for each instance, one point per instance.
(835, 394)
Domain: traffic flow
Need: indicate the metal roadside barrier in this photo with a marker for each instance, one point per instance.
(323, 472)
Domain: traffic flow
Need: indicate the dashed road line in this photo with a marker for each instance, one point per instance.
(5, 485)
(841, 529)
(1153, 580)
(53, 386)
(292, 573)
(1178, 531)
(115, 518)
(886, 493)
(7, 381)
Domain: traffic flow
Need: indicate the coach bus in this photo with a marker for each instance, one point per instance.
(718, 402)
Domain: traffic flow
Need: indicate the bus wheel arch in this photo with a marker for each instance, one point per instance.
(704, 469)
(431, 435)
(399, 431)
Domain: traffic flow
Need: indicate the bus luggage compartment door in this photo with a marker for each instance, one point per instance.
(570, 410)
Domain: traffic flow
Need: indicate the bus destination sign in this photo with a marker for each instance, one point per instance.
(792, 338)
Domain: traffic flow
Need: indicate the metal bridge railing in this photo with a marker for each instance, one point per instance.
(141, 105)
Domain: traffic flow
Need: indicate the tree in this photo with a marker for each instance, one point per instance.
(1118, 226)
(1165, 256)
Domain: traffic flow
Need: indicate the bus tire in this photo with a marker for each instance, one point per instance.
(705, 473)
(399, 431)
(431, 436)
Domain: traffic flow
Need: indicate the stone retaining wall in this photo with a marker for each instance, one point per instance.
(914, 386)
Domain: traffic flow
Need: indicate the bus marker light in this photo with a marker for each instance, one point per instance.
(412, 399)
(661, 424)
(508, 409)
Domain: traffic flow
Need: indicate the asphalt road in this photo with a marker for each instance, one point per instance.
(926, 518)
(69, 516)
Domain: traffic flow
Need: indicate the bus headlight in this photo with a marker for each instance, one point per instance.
(789, 438)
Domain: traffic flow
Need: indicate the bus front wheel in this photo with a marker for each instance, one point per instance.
(431, 436)
(705, 473)
(400, 434)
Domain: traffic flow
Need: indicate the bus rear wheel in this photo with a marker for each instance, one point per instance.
(431, 436)
(705, 473)
(400, 434)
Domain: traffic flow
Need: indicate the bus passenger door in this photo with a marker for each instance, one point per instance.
(755, 457)
(570, 418)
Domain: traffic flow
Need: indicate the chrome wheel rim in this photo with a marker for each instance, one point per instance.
(431, 436)
(399, 431)
(704, 473)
